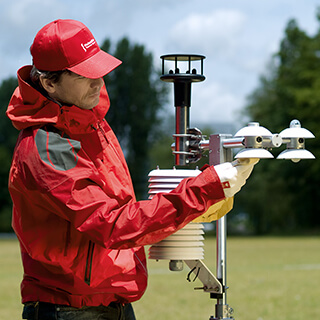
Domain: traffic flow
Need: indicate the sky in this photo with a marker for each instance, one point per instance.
(237, 37)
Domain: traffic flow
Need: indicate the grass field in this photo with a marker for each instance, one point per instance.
(268, 279)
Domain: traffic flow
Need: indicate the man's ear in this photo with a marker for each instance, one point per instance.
(48, 84)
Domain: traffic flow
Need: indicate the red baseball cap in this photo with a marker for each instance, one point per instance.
(69, 44)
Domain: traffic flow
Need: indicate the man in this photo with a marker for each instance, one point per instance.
(81, 231)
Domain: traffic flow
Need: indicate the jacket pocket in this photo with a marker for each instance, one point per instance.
(87, 276)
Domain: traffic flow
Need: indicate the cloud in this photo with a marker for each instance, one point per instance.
(20, 20)
(215, 32)
(220, 36)
(212, 102)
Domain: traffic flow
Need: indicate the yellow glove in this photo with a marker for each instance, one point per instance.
(216, 211)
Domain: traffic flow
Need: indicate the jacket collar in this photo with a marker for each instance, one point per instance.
(28, 107)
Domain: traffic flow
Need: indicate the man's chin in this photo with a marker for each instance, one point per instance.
(90, 106)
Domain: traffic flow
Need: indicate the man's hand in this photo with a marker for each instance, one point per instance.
(233, 175)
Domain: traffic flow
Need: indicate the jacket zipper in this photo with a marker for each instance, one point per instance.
(142, 265)
(87, 276)
(101, 130)
(105, 136)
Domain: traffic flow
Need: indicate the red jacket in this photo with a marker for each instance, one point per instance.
(80, 228)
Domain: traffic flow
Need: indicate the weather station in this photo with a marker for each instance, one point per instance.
(254, 142)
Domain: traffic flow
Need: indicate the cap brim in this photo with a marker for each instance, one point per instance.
(96, 66)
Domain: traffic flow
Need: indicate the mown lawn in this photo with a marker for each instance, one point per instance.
(268, 279)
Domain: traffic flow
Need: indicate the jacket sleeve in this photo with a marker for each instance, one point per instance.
(76, 193)
(149, 221)
(83, 202)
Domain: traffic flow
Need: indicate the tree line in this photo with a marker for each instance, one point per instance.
(280, 196)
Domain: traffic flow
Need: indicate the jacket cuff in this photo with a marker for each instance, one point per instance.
(211, 176)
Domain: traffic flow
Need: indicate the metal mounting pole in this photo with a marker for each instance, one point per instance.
(182, 98)
(218, 154)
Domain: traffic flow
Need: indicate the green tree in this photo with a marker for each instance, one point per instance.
(282, 196)
(8, 136)
(137, 96)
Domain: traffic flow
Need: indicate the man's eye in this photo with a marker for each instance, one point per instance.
(77, 76)
(81, 78)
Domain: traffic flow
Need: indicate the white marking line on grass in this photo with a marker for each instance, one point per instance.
(302, 267)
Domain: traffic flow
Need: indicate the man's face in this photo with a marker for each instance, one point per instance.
(76, 90)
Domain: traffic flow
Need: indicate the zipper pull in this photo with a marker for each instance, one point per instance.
(102, 131)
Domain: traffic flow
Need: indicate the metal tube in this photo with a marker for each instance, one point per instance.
(182, 93)
(227, 143)
(219, 154)
(221, 234)
(204, 144)
(233, 143)
(182, 124)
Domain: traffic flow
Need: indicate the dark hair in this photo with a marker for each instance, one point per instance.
(55, 76)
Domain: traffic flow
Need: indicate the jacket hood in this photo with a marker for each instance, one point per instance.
(28, 107)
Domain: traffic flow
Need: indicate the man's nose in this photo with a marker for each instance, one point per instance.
(97, 82)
